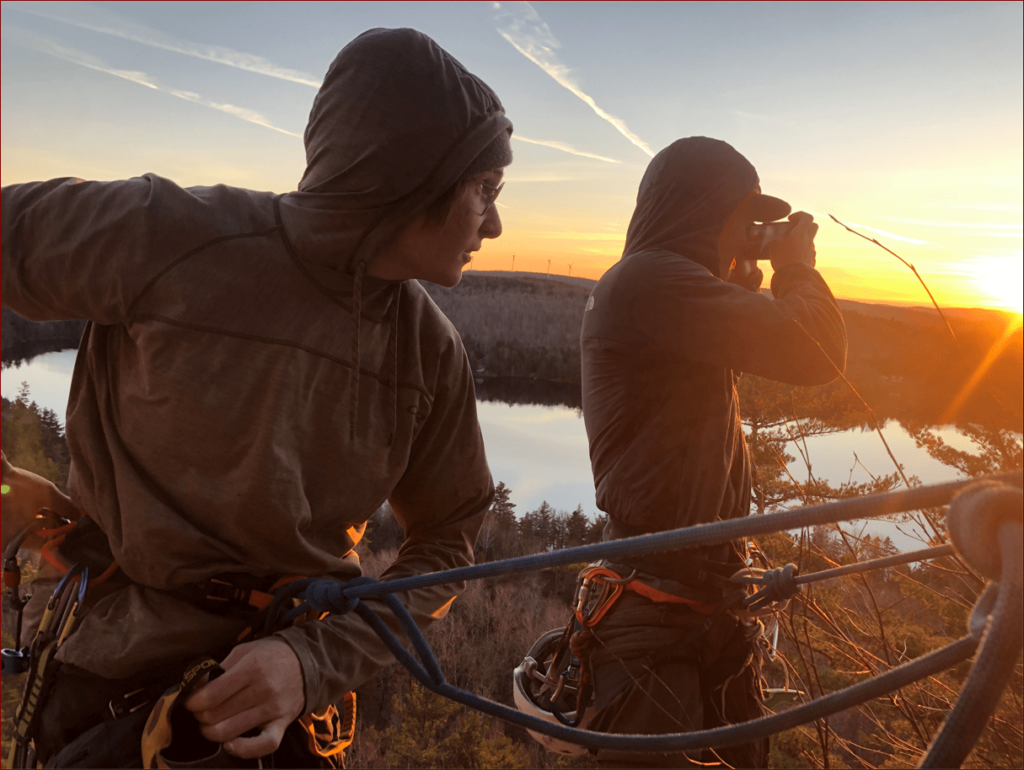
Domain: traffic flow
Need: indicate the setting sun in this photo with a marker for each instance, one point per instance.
(1002, 278)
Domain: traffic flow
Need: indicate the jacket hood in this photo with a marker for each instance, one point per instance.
(686, 196)
(395, 123)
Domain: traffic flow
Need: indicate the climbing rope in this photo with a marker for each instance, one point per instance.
(990, 506)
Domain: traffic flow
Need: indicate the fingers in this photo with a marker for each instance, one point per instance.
(212, 694)
(798, 246)
(261, 687)
(259, 745)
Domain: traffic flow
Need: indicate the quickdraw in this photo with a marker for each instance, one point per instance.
(46, 524)
(59, 620)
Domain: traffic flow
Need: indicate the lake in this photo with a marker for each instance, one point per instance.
(541, 453)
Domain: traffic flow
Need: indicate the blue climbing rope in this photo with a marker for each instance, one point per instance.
(996, 622)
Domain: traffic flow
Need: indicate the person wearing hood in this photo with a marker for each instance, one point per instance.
(259, 374)
(667, 332)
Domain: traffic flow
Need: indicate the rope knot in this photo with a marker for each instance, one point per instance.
(779, 587)
(331, 596)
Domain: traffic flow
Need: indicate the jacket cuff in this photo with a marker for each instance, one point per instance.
(310, 684)
(785, 278)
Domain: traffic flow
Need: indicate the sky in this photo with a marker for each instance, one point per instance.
(902, 120)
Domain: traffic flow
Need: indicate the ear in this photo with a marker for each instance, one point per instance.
(5, 467)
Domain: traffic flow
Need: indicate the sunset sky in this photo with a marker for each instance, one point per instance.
(903, 120)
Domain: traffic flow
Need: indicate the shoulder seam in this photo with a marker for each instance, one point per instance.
(191, 253)
(273, 341)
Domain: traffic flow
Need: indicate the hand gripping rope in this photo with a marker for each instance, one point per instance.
(983, 521)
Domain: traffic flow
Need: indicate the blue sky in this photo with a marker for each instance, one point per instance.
(904, 118)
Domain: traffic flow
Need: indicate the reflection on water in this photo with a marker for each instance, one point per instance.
(538, 447)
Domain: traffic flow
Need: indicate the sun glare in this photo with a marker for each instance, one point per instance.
(1002, 278)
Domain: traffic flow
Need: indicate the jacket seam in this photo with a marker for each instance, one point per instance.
(191, 253)
(272, 341)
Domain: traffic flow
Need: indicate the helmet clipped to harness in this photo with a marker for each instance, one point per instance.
(547, 681)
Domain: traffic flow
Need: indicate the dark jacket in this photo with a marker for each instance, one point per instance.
(243, 400)
(664, 340)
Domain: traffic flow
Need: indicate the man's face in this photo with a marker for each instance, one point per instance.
(437, 252)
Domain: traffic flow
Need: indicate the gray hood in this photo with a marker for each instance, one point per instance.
(396, 122)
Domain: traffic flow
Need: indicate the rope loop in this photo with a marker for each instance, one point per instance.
(974, 518)
(779, 587)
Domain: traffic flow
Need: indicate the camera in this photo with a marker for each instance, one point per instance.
(760, 236)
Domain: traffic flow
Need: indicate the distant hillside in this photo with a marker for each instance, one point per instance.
(573, 281)
(901, 359)
(15, 331)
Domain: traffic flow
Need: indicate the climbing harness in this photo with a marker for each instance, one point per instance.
(996, 627)
(989, 509)
(238, 595)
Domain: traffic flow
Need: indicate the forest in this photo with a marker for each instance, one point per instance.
(903, 365)
(902, 361)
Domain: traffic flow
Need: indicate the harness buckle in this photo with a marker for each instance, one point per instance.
(129, 703)
(219, 590)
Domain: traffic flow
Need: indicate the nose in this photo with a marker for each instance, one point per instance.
(491, 226)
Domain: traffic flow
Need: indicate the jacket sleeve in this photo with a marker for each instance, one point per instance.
(440, 503)
(74, 249)
(675, 309)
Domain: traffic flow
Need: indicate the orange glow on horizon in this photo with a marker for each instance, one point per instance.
(993, 353)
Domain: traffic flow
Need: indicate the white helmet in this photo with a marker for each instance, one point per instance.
(541, 681)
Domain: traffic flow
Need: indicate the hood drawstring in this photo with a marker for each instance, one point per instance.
(357, 314)
(392, 353)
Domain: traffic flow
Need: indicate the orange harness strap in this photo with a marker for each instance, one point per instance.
(612, 585)
(57, 536)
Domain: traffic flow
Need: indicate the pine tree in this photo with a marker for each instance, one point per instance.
(503, 509)
(25, 438)
(576, 528)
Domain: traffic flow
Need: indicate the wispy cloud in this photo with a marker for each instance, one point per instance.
(85, 16)
(47, 46)
(887, 234)
(565, 148)
(1010, 207)
(824, 218)
(962, 225)
(523, 27)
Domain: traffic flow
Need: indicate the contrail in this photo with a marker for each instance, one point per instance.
(876, 231)
(565, 148)
(97, 20)
(523, 27)
(43, 45)
(887, 234)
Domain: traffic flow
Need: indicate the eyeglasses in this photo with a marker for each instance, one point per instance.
(489, 193)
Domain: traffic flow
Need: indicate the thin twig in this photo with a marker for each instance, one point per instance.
(916, 274)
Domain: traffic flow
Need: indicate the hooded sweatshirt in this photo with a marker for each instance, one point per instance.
(664, 340)
(244, 398)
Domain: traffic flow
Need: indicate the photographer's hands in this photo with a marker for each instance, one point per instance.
(746, 273)
(798, 246)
